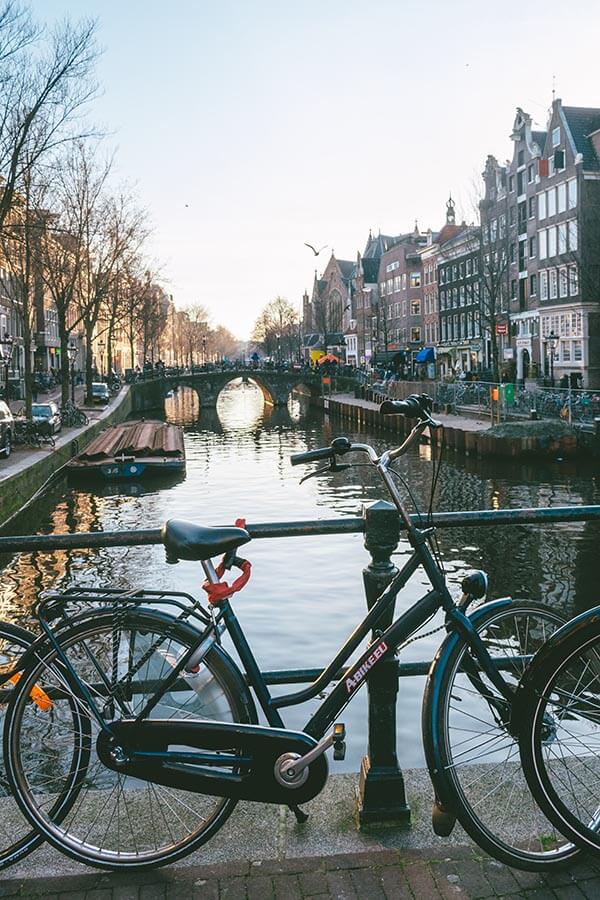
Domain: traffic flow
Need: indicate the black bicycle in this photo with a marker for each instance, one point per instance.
(153, 734)
(558, 718)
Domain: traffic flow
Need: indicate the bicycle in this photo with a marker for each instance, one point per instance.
(72, 416)
(558, 719)
(165, 713)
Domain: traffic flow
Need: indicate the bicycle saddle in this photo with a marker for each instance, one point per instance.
(184, 540)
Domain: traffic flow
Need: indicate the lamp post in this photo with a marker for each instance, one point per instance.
(101, 346)
(6, 351)
(72, 354)
(551, 342)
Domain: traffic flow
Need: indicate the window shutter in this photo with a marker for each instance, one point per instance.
(559, 159)
(543, 168)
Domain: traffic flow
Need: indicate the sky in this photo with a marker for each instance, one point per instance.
(251, 127)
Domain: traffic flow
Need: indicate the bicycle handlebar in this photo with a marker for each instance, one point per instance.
(311, 455)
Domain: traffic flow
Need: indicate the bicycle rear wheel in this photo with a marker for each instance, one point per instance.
(560, 744)
(475, 760)
(118, 821)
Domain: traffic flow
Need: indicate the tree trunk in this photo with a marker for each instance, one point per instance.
(64, 358)
(89, 359)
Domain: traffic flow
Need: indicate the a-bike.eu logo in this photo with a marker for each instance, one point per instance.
(354, 679)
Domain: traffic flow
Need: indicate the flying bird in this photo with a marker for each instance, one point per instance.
(316, 252)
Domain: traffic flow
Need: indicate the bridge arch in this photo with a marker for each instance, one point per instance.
(275, 386)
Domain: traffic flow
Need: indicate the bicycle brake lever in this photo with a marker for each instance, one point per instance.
(333, 467)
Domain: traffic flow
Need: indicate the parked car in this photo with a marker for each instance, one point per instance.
(100, 392)
(47, 413)
(7, 429)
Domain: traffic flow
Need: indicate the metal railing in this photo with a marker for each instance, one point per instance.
(574, 406)
(382, 794)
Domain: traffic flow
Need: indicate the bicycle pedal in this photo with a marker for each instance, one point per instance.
(339, 743)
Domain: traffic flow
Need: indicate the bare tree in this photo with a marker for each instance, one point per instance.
(276, 329)
(46, 80)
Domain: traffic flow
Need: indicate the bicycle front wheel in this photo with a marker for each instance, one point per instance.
(117, 821)
(478, 763)
(560, 745)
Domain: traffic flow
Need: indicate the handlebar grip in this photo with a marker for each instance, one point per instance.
(311, 455)
(413, 407)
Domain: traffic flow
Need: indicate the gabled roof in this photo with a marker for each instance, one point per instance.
(377, 246)
(346, 267)
(582, 121)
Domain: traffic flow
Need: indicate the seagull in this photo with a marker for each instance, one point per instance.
(316, 252)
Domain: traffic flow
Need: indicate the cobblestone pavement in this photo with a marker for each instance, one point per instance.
(377, 875)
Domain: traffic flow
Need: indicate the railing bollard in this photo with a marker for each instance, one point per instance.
(381, 787)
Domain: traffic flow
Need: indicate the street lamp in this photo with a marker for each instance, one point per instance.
(101, 346)
(72, 354)
(551, 342)
(6, 351)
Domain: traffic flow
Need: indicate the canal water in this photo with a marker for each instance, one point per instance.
(305, 594)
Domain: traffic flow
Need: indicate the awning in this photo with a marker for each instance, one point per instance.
(427, 354)
(387, 356)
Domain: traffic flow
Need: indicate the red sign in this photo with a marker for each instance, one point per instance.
(501, 328)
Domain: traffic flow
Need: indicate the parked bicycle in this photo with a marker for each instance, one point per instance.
(558, 720)
(32, 434)
(71, 416)
(147, 708)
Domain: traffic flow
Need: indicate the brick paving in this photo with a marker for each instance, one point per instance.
(375, 875)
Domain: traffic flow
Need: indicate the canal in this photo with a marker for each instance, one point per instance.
(305, 594)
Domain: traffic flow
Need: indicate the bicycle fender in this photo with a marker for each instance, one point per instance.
(572, 632)
(431, 695)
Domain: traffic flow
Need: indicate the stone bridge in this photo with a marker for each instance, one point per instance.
(276, 386)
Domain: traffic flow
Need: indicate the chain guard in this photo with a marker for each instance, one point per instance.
(252, 779)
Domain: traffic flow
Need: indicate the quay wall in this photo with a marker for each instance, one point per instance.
(21, 477)
(463, 438)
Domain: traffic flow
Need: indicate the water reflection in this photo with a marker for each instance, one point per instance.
(306, 594)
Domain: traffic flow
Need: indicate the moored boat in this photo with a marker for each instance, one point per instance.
(132, 449)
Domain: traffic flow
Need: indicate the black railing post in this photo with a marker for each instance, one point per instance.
(382, 798)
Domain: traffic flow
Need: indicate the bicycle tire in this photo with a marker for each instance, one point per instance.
(81, 834)
(17, 839)
(560, 730)
(514, 832)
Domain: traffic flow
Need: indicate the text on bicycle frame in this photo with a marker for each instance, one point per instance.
(353, 680)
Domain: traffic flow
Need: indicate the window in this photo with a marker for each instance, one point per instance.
(563, 287)
(404, 306)
(494, 230)
(551, 242)
(415, 307)
(389, 285)
(397, 283)
(553, 284)
(520, 183)
(470, 262)
(475, 266)
(530, 174)
(562, 237)
(551, 168)
(511, 182)
(532, 247)
(573, 235)
(551, 201)
(543, 244)
(462, 295)
(520, 157)
(562, 197)
(512, 253)
(544, 285)
(415, 279)
(573, 281)
(572, 192)
(542, 205)
(532, 285)
(404, 281)
(531, 207)
(415, 334)
(513, 288)
(556, 137)
(577, 351)
(501, 227)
